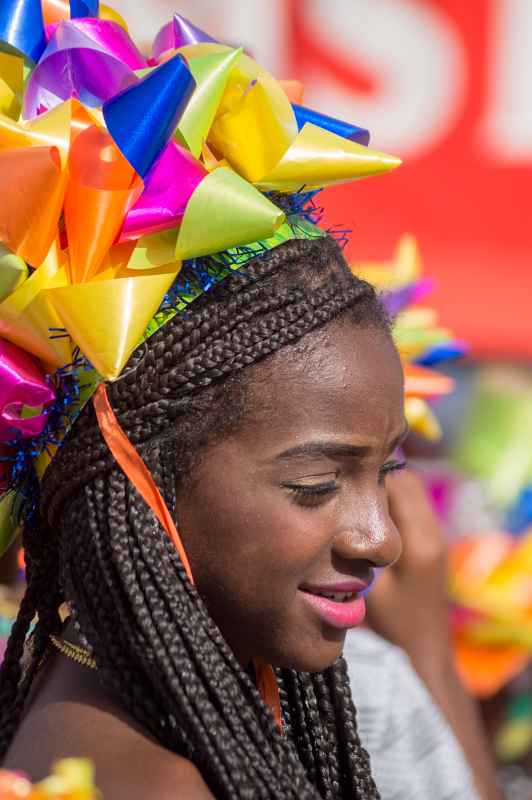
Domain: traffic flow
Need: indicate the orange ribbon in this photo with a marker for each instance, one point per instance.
(138, 473)
(136, 470)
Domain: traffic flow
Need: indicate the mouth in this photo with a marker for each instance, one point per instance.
(339, 609)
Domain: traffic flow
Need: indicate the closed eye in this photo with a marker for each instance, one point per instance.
(311, 495)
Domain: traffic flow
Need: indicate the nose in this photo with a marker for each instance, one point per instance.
(369, 535)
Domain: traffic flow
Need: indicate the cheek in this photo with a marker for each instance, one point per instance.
(252, 544)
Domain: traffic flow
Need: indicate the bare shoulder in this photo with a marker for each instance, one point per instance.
(128, 763)
(171, 781)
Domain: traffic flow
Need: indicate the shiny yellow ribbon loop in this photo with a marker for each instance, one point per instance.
(237, 214)
(320, 158)
(11, 84)
(29, 320)
(107, 319)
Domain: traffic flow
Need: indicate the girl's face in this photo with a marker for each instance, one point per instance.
(294, 504)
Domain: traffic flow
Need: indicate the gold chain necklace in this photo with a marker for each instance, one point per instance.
(74, 652)
(82, 656)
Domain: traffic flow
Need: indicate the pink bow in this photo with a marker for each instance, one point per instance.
(22, 384)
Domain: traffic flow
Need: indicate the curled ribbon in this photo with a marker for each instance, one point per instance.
(22, 386)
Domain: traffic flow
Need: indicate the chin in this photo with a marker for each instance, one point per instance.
(316, 656)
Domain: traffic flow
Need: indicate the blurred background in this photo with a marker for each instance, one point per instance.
(447, 86)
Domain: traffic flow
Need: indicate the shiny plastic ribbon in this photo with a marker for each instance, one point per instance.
(118, 310)
(91, 60)
(22, 27)
(340, 128)
(166, 92)
(41, 182)
(423, 382)
(28, 319)
(103, 187)
(13, 272)
(22, 386)
(56, 10)
(170, 184)
(12, 70)
(178, 33)
(492, 624)
(133, 466)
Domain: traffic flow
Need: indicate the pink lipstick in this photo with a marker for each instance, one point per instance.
(341, 605)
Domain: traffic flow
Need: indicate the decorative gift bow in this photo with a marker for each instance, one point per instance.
(117, 168)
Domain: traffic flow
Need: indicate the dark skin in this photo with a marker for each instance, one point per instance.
(345, 407)
(252, 540)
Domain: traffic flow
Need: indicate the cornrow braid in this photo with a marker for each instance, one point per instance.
(99, 546)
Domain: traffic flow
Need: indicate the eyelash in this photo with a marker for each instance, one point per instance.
(312, 496)
(390, 466)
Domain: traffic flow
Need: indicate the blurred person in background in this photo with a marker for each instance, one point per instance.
(421, 728)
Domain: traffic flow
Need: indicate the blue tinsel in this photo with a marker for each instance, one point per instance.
(299, 204)
(22, 476)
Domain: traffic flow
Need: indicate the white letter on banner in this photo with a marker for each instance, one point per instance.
(507, 130)
(413, 52)
(257, 25)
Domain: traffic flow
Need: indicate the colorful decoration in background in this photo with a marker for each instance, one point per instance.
(421, 341)
(141, 182)
(72, 779)
(514, 739)
(491, 574)
(501, 406)
(491, 587)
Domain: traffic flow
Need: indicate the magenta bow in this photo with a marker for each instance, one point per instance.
(22, 384)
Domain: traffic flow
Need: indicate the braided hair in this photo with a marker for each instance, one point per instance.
(99, 546)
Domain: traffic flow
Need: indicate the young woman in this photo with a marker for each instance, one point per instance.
(268, 416)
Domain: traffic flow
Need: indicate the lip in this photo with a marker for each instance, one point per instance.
(352, 586)
(343, 615)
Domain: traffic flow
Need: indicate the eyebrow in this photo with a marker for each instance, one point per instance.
(335, 449)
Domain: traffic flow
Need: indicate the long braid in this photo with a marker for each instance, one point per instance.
(302, 735)
(156, 646)
(318, 737)
(354, 759)
(328, 719)
(42, 597)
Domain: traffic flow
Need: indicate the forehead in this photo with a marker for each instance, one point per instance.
(341, 381)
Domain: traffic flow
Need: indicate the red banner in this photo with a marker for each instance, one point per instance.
(446, 85)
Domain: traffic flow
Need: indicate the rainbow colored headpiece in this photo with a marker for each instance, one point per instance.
(115, 169)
